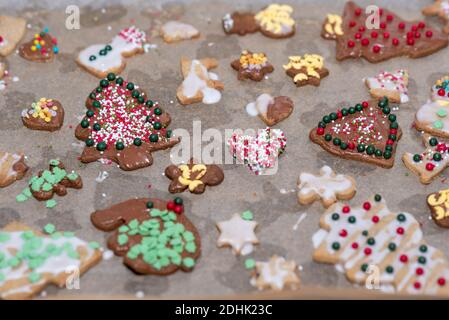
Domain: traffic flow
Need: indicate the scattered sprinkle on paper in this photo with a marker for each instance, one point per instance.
(300, 219)
(102, 175)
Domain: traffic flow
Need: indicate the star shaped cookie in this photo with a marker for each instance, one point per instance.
(276, 274)
(238, 233)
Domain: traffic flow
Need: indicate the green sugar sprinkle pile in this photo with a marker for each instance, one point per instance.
(247, 215)
(159, 248)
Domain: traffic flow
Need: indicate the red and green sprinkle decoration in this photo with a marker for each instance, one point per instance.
(363, 125)
(119, 116)
(437, 152)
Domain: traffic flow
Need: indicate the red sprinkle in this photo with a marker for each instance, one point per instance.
(351, 146)
(383, 25)
(170, 205)
(365, 104)
(393, 131)
(386, 35)
(374, 34)
(358, 35)
(430, 166)
(395, 41)
(390, 142)
(343, 233)
(441, 281)
(414, 27)
(376, 48)
(354, 245)
(417, 285)
(417, 35)
(367, 251)
(421, 25)
(390, 18)
(441, 92)
(400, 230)
(403, 258)
(351, 44)
(320, 131)
(401, 25)
(375, 219)
(346, 209)
(178, 209)
(1, 39)
(362, 29)
(367, 206)
(429, 34)
(352, 24)
(419, 271)
(365, 42)
(410, 41)
(358, 11)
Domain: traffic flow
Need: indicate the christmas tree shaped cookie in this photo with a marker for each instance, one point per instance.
(367, 132)
(372, 237)
(152, 235)
(121, 124)
(394, 37)
(430, 163)
(433, 117)
(31, 260)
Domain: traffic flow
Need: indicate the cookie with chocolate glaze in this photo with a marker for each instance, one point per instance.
(367, 132)
(253, 66)
(42, 48)
(45, 114)
(271, 110)
(394, 37)
(152, 235)
(240, 23)
(193, 176)
(121, 124)
(438, 203)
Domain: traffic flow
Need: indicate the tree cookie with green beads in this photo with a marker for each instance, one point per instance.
(121, 124)
(152, 235)
(366, 132)
(31, 260)
(47, 183)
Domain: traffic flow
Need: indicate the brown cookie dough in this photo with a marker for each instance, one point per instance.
(253, 66)
(367, 132)
(123, 125)
(45, 114)
(152, 235)
(12, 168)
(439, 8)
(12, 30)
(193, 176)
(3, 67)
(395, 37)
(305, 70)
(271, 110)
(240, 23)
(42, 48)
(438, 203)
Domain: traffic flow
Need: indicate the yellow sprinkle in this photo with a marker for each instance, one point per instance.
(54, 108)
(47, 119)
(35, 115)
(36, 35)
(33, 48)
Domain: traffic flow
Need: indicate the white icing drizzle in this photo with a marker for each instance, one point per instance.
(237, 233)
(178, 30)
(260, 106)
(197, 81)
(7, 162)
(434, 115)
(391, 81)
(276, 274)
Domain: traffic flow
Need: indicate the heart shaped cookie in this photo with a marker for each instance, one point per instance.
(42, 48)
(367, 132)
(259, 152)
(45, 114)
(270, 109)
(12, 30)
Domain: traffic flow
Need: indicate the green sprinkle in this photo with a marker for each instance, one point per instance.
(13, 262)
(34, 277)
(250, 263)
(122, 239)
(51, 203)
(27, 192)
(56, 235)
(438, 124)
(123, 229)
(190, 247)
(29, 234)
(2, 277)
(47, 187)
(21, 198)
(188, 236)
(441, 113)
(94, 245)
(247, 215)
(72, 176)
(188, 262)
(4, 237)
(73, 254)
(133, 224)
(49, 228)
(54, 162)
(68, 234)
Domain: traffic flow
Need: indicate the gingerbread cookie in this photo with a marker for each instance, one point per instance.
(327, 187)
(42, 48)
(193, 176)
(392, 85)
(123, 125)
(240, 23)
(371, 237)
(432, 117)
(305, 70)
(47, 183)
(394, 37)
(259, 153)
(12, 30)
(31, 260)
(439, 8)
(175, 31)
(430, 163)
(275, 21)
(367, 132)
(45, 114)
(153, 236)
(199, 84)
(276, 274)
(332, 27)
(101, 59)
(271, 110)
(12, 168)
(253, 66)
(238, 233)
(438, 203)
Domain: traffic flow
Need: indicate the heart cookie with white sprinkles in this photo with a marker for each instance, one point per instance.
(367, 132)
(123, 125)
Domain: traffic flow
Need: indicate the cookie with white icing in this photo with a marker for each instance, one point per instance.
(372, 238)
(238, 233)
(199, 84)
(32, 260)
(392, 85)
(271, 110)
(175, 31)
(429, 163)
(327, 187)
(12, 30)
(276, 274)
(101, 59)
(12, 168)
